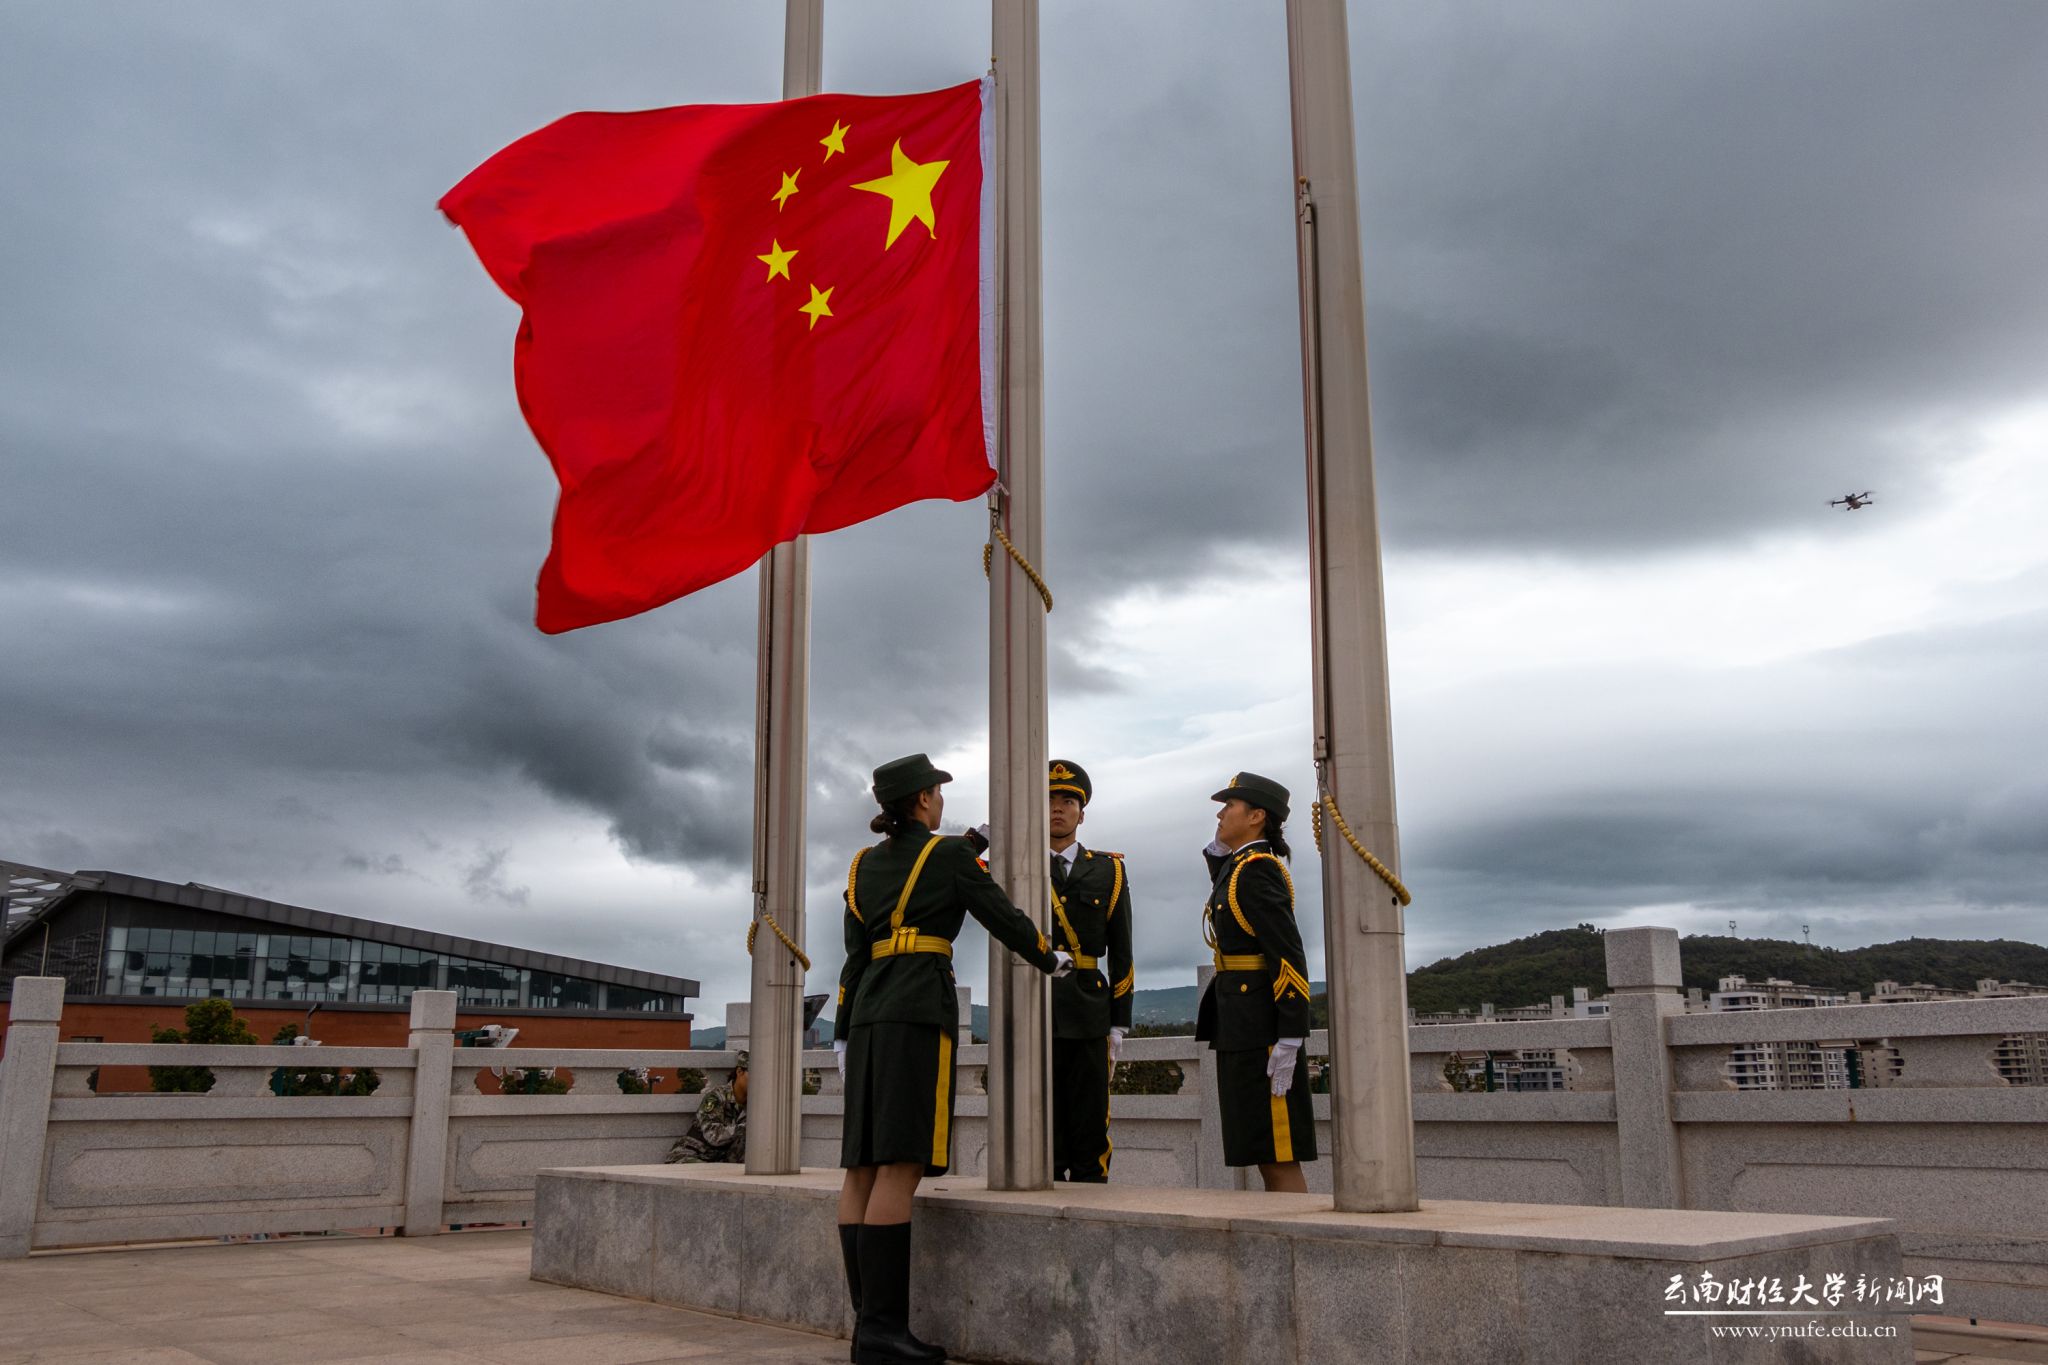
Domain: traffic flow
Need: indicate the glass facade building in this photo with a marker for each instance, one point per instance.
(130, 938)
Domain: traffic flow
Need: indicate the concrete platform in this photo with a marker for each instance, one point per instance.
(1123, 1275)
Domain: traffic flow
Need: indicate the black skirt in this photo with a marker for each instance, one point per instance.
(899, 1096)
(1260, 1127)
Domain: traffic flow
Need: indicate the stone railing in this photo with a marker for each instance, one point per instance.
(1936, 1137)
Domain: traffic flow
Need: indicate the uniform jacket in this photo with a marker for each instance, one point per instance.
(718, 1133)
(917, 988)
(1251, 910)
(1097, 903)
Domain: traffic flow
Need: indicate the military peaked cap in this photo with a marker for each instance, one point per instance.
(901, 777)
(1254, 790)
(1070, 778)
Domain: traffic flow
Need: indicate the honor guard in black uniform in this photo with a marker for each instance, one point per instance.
(906, 898)
(1255, 1011)
(1091, 1006)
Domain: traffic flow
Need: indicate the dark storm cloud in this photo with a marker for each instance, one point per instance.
(1847, 794)
(1636, 276)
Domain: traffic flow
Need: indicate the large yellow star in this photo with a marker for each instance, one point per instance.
(778, 260)
(909, 189)
(820, 305)
(781, 196)
(835, 141)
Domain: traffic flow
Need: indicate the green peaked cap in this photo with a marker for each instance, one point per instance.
(901, 777)
(1255, 790)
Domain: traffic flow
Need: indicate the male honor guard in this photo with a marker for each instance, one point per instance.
(1091, 1008)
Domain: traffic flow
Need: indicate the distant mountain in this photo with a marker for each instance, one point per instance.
(1528, 971)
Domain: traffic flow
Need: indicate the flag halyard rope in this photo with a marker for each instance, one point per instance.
(1379, 868)
(988, 551)
(802, 958)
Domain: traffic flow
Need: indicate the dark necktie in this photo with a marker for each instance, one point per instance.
(1059, 873)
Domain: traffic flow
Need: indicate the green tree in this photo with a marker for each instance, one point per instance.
(288, 1080)
(533, 1080)
(206, 1021)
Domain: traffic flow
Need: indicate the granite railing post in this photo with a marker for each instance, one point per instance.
(426, 1163)
(27, 1077)
(1643, 976)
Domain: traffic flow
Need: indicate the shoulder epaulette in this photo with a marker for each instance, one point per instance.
(1107, 854)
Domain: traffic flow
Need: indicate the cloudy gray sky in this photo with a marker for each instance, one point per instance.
(1646, 286)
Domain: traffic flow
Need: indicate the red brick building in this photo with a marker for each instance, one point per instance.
(135, 951)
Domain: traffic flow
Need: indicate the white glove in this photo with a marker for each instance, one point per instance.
(1280, 1065)
(977, 839)
(1063, 962)
(1216, 848)
(839, 1056)
(1116, 1045)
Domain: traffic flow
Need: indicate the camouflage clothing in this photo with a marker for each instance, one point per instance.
(718, 1133)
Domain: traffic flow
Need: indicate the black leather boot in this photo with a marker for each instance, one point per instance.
(849, 1252)
(883, 1337)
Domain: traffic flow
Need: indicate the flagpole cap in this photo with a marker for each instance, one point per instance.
(1255, 790)
(1069, 779)
(901, 777)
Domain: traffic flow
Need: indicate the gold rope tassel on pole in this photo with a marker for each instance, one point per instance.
(1315, 824)
(752, 929)
(988, 554)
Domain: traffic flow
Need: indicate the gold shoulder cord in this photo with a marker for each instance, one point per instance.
(1238, 871)
(852, 905)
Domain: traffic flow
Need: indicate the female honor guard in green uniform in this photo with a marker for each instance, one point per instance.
(905, 900)
(1255, 1011)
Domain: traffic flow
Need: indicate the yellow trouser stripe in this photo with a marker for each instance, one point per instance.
(942, 1111)
(1107, 1145)
(1283, 1133)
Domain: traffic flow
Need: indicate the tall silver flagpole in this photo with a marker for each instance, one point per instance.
(1020, 1048)
(1371, 1124)
(781, 732)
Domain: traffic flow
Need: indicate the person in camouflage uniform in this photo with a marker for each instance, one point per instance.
(719, 1132)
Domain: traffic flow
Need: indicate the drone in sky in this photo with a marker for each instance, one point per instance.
(1853, 501)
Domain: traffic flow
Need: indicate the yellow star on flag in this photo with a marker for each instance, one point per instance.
(820, 305)
(781, 196)
(835, 141)
(908, 187)
(778, 260)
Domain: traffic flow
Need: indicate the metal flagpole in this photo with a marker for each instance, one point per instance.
(1020, 1049)
(781, 733)
(1371, 1123)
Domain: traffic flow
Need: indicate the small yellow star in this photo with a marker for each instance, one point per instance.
(835, 141)
(778, 260)
(820, 305)
(781, 196)
(908, 187)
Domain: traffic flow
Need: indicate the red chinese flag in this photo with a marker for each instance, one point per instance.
(742, 323)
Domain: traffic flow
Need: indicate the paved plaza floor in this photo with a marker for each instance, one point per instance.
(453, 1300)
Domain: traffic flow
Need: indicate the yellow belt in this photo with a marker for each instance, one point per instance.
(908, 940)
(1240, 962)
(1085, 962)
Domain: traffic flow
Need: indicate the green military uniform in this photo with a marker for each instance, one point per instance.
(906, 899)
(719, 1132)
(1091, 898)
(1259, 994)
